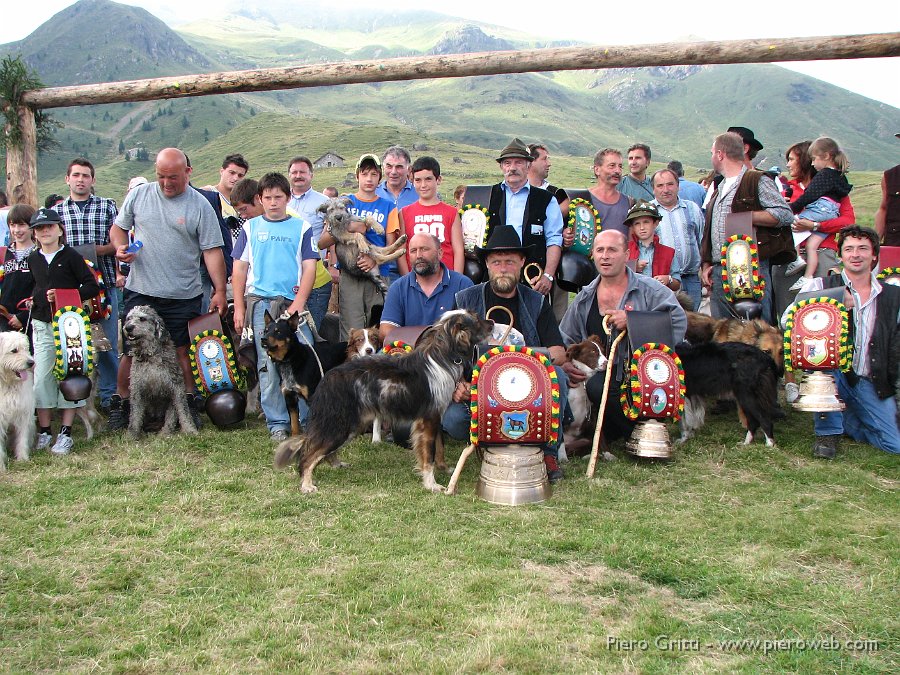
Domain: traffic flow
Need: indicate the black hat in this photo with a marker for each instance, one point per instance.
(748, 137)
(44, 217)
(503, 239)
(515, 150)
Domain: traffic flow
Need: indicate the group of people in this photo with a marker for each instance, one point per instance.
(265, 243)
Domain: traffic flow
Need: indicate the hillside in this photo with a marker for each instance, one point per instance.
(676, 110)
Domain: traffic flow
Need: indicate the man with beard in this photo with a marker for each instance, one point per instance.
(420, 297)
(504, 257)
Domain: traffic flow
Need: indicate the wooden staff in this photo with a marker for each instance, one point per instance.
(610, 366)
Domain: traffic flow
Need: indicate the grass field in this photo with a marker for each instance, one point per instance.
(196, 555)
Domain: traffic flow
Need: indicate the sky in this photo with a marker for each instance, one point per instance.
(596, 22)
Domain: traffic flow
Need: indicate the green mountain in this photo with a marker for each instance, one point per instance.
(675, 110)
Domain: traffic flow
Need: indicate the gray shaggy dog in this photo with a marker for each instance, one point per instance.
(156, 379)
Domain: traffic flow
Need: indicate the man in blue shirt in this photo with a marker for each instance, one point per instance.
(420, 297)
(687, 189)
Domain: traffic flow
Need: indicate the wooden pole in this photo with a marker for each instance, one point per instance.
(465, 65)
(21, 162)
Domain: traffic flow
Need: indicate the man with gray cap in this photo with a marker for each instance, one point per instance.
(532, 212)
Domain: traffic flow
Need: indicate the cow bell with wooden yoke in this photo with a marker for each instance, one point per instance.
(817, 341)
(515, 411)
(741, 283)
(215, 370)
(74, 347)
(653, 390)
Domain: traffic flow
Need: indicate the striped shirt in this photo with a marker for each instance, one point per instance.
(681, 228)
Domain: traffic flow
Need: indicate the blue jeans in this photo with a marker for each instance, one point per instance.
(108, 362)
(271, 398)
(690, 284)
(721, 308)
(867, 418)
(318, 303)
(206, 293)
(458, 417)
(820, 210)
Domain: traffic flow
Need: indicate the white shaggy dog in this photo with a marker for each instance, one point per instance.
(16, 397)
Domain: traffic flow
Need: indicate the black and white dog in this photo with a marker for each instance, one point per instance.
(416, 387)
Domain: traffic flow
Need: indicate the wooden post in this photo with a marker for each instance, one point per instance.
(21, 162)
(466, 65)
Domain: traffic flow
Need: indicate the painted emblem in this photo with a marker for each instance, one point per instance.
(658, 400)
(657, 370)
(514, 423)
(817, 320)
(815, 350)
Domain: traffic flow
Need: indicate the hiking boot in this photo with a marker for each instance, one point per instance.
(554, 473)
(119, 412)
(195, 405)
(63, 445)
(279, 435)
(44, 441)
(826, 447)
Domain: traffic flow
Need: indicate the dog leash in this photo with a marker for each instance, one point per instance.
(305, 318)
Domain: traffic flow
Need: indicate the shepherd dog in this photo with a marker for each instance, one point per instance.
(729, 369)
(16, 397)
(413, 388)
(703, 328)
(588, 358)
(300, 366)
(365, 342)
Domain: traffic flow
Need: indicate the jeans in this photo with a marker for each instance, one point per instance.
(108, 362)
(271, 398)
(721, 308)
(206, 293)
(867, 418)
(458, 416)
(317, 304)
(690, 284)
(820, 210)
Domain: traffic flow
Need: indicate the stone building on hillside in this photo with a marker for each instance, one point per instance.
(329, 160)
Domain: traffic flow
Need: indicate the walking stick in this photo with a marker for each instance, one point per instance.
(610, 366)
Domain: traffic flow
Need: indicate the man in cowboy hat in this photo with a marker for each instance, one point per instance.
(504, 257)
(532, 212)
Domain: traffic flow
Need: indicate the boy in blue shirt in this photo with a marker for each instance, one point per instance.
(358, 296)
(274, 264)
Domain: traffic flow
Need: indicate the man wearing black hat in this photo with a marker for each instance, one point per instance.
(744, 190)
(504, 257)
(752, 146)
(532, 212)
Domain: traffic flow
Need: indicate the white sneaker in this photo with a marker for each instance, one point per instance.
(797, 285)
(44, 441)
(63, 445)
(791, 391)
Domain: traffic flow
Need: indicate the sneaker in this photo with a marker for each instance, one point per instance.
(791, 391)
(279, 435)
(63, 445)
(795, 267)
(826, 447)
(119, 412)
(554, 473)
(797, 285)
(44, 441)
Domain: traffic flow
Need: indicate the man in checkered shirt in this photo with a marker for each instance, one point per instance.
(87, 219)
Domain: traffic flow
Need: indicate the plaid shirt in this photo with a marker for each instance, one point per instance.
(91, 226)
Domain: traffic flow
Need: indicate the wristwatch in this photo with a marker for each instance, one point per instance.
(548, 277)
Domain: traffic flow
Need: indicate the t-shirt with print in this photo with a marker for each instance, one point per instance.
(436, 219)
(380, 209)
(275, 251)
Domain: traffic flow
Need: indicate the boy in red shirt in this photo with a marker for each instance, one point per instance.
(429, 215)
